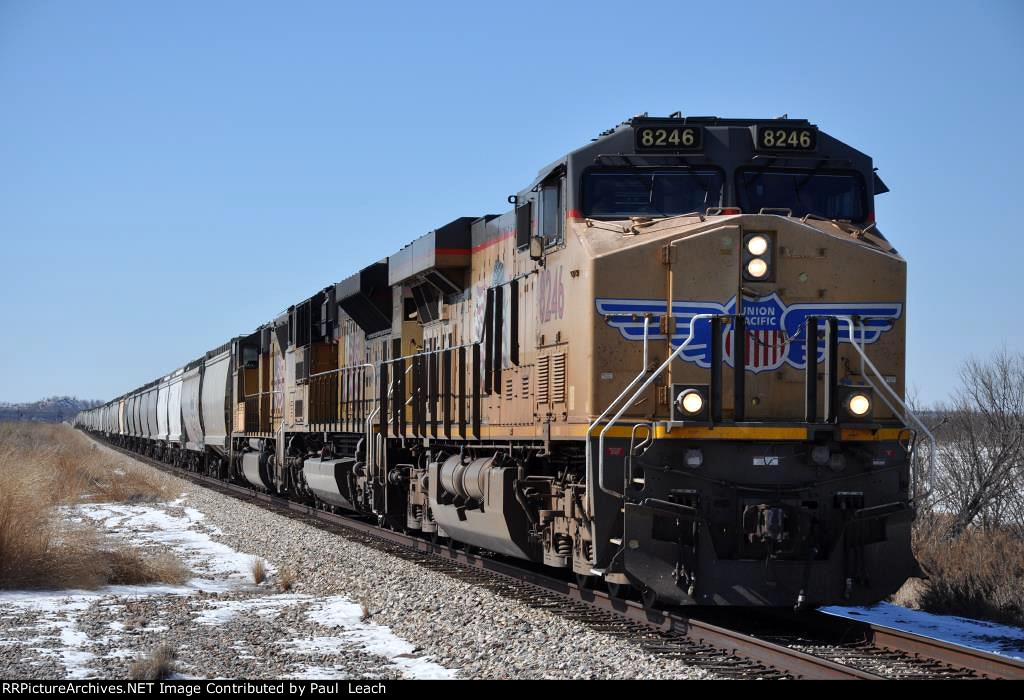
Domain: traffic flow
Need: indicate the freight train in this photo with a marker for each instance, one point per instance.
(675, 368)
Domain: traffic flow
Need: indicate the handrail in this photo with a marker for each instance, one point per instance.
(372, 396)
(636, 396)
(587, 448)
(907, 413)
(337, 370)
(636, 450)
(371, 451)
(431, 352)
(629, 404)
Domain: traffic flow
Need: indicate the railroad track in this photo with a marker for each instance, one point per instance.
(754, 645)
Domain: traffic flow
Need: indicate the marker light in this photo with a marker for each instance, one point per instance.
(858, 404)
(757, 245)
(690, 402)
(757, 268)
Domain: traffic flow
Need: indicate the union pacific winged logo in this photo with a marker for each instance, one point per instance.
(775, 332)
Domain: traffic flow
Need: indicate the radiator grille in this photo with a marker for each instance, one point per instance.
(558, 379)
(543, 376)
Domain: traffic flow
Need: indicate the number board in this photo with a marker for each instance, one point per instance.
(785, 138)
(669, 138)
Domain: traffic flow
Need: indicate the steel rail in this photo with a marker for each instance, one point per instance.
(917, 646)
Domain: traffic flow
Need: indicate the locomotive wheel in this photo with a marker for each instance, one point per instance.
(619, 591)
(650, 599)
(585, 581)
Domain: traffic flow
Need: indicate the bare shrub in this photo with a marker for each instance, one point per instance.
(285, 579)
(977, 574)
(157, 665)
(25, 529)
(969, 532)
(981, 445)
(258, 568)
(55, 554)
(364, 612)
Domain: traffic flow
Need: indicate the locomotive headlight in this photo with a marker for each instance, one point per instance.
(757, 267)
(690, 402)
(757, 245)
(858, 404)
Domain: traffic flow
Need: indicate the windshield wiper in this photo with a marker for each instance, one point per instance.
(811, 174)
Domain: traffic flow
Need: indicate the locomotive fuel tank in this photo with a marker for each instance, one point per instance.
(257, 469)
(331, 480)
(475, 501)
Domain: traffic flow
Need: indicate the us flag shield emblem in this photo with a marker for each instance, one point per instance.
(775, 332)
(766, 341)
(765, 350)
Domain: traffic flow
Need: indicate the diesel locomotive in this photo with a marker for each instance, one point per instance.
(674, 367)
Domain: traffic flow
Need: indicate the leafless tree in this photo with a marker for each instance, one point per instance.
(981, 449)
(1013, 515)
(922, 482)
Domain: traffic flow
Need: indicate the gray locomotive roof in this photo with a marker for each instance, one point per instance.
(728, 144)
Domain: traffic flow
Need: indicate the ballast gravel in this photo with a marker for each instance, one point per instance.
(354, 612)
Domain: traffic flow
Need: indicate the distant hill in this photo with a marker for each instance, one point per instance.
(52, 410)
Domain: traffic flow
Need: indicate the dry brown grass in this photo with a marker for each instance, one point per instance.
(44, 467)
(133, 566)
(75, 468)
(258, 568)
(979, 574)
(286, 579)
(157, 665)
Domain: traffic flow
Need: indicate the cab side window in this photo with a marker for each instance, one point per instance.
(552, 217)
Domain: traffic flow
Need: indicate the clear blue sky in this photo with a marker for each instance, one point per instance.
(174, 173)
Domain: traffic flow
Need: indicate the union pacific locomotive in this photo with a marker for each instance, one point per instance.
(675, 368)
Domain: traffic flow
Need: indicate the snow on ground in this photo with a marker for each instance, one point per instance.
(50, 628)
(338, 611)
(976, 634)
(225, 568)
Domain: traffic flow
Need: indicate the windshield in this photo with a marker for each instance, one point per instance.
(619, 194)
(832, 195)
